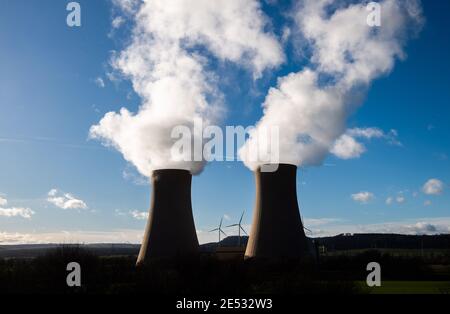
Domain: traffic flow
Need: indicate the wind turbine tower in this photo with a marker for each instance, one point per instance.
(219, 230)
(239, 225)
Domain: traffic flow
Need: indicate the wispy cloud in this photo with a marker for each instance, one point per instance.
(14, 211)
(348, 147)
(130, 174)
(75, 236)
(135, 214)
(319, 227)
(399, 199)
(433, 187)
(3, 201)
(117, 22)
(99, 82)
(17, 212)
(363, 197)
(410, 226)
(65, 200)
(47, 141)
(139, 215)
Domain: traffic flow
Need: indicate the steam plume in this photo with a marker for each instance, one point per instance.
(311, 107)
(169, 72)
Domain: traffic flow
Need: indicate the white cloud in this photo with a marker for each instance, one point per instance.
(3, 201)
(139, 215)
(367, 133)
(400, 199)
(100, 82)
(16, 238)
(328, 227)
(119, 212)
(410, 226)
(427, 203)
(286, 34)
(130, 174)
(347, 147)
(168, 72)
(433, 187)
(17, 212)
(117, 21)
(74, 236)
(363, 197)
(314, 222)
(389, 200)
(65, 200)
(127, 6)
(14, 211)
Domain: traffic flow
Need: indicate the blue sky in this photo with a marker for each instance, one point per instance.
(50, 96)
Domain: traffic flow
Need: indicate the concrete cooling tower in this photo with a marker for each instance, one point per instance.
(170, 230)
(277, 230)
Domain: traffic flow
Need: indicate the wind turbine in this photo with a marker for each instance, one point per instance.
(239, 227)
(310, 232)
(219, 229)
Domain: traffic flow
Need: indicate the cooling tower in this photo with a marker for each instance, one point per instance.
(170, 230)
(277, 230)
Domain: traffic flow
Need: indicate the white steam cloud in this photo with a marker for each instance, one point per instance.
(311, 107)
(168, 66)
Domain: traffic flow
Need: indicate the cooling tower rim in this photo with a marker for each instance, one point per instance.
(170, 170)
(283, 165)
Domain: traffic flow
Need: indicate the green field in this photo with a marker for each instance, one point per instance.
(426, 253)
(410, 287)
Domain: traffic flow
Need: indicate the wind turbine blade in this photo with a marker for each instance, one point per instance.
(232, 225)
(214, 230)
(220, 225)
(244, 231)
(223, 232)
(242, 216)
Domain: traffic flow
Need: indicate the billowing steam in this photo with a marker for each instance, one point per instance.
(311, 107)
(167, 62)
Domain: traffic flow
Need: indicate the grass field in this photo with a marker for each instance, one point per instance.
(410, 287)
(208, 275)
(426, 253)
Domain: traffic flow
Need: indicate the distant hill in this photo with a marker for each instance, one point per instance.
(337, 243)
(384, 241)
(35, 250)
(227, 242)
